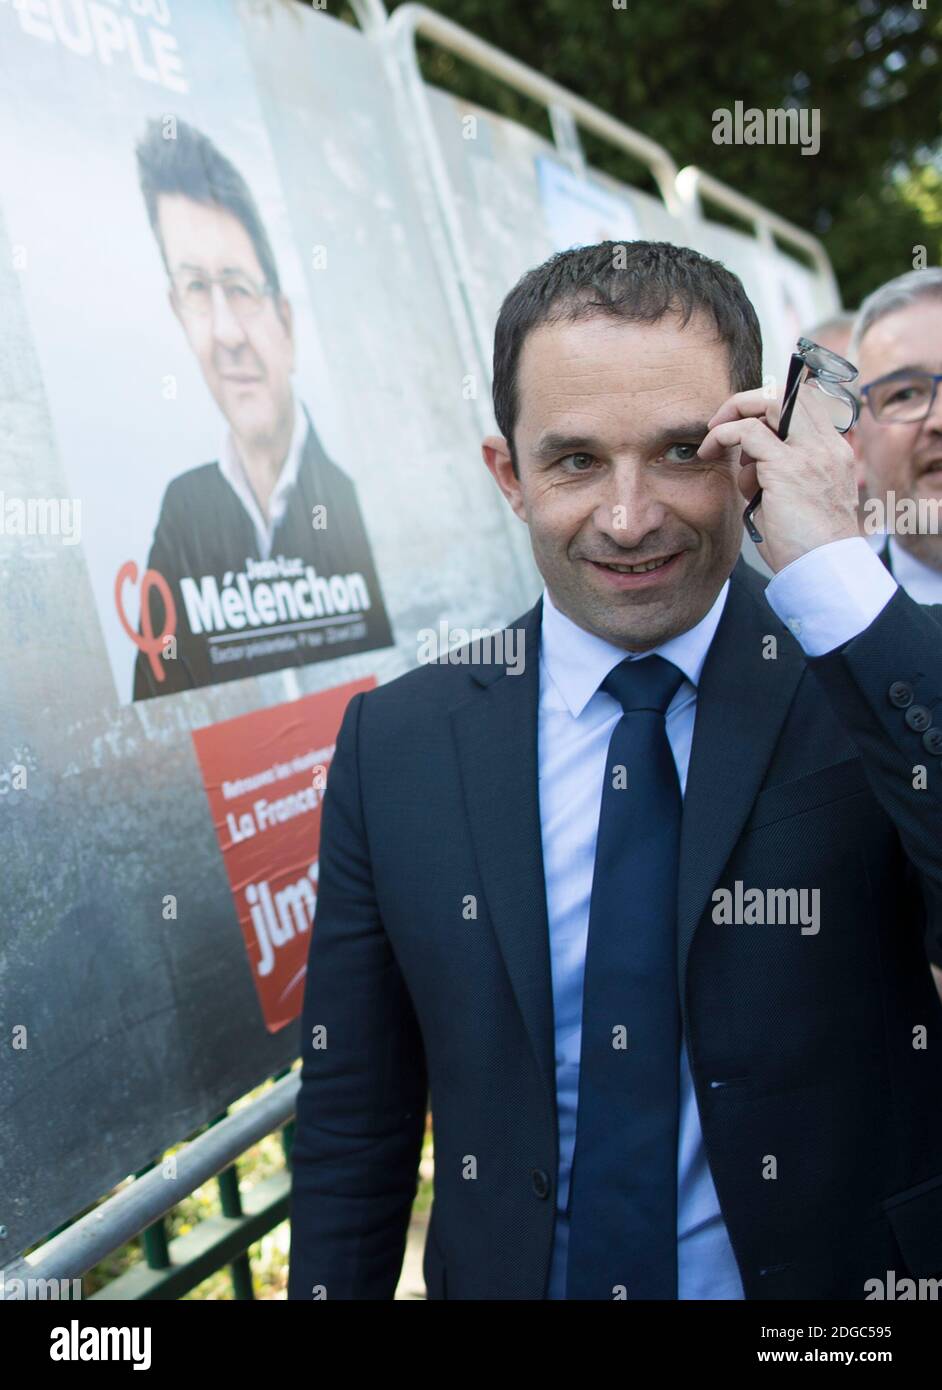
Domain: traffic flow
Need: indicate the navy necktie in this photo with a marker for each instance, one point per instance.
(623, 1194)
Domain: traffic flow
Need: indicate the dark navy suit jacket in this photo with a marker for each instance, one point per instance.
(805, 1047)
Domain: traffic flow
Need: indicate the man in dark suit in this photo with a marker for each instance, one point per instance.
(645, 918)
(897, 342)
(933, 937)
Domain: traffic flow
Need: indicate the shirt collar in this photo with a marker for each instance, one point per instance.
(578, 661)
(914, 575)
(230, 465)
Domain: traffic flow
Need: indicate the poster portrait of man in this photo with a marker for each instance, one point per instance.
(260, 558)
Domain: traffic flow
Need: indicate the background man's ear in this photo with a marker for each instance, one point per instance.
(853, 438)
(283, 305)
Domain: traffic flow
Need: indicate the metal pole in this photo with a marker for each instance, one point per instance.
(130, 1211)
(231, 1201)
(411, 19)
(693, 184)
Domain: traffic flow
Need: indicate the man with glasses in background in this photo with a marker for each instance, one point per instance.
(897, 344)
(264, 552)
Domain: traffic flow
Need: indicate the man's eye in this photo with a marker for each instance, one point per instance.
(683, 453)
(569, 457)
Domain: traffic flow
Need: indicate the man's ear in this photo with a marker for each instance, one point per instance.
(853, 438)
(283, 305)
(496, 454)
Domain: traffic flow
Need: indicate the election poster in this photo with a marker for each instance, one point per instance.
(185, 372)
(265, 775)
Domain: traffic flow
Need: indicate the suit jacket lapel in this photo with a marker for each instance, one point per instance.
(742, 700)
(496, 735)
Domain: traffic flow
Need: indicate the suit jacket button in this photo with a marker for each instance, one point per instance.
(932, 740)
(540, 1181)
(918, 718)
(900, 694)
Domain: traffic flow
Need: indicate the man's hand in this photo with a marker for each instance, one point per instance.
(809, 492)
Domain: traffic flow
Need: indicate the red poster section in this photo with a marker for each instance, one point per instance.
(265, 775)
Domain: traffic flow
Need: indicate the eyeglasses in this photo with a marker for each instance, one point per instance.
(901, 398)
(194, 293)
(828, 372)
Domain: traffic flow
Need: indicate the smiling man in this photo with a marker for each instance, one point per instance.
(635, 556)
(636, 1093)
(262, 554)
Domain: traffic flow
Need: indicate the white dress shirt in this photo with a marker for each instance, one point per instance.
(826, 597)
(230, 466)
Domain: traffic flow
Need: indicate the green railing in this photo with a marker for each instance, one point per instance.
(173, 1265)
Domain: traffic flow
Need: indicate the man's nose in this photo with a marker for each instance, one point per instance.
(227, 328)
(630, 509)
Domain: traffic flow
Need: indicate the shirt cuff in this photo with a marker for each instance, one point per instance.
(831, 594)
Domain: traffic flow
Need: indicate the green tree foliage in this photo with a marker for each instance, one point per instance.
(874, 190)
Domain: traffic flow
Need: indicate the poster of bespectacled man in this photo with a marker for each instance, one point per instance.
(184, 370)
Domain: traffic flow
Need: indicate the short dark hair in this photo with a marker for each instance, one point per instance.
(641, 283)
(188, 163)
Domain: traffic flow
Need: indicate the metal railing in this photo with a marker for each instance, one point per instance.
(682, 191)
(567, 112)
(174, 1267)
(694, 185)
(370, 14)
